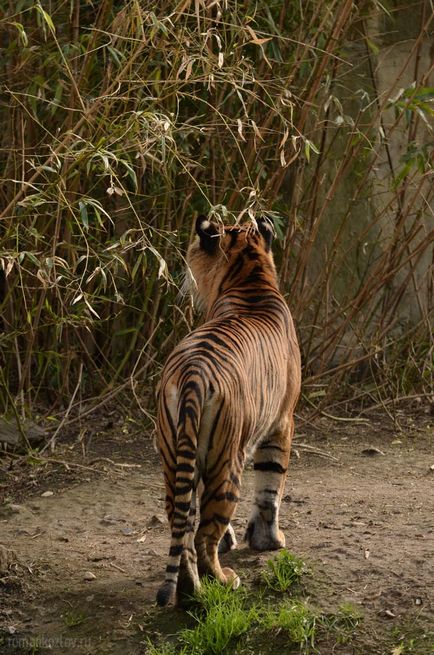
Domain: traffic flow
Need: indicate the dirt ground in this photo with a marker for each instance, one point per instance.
(84, 546)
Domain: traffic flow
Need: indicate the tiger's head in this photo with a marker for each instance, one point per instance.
(223, 254)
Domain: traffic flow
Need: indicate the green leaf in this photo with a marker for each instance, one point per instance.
(22, 34)
(308, 146)
(372, 46)
(83, 214)
(47, 18)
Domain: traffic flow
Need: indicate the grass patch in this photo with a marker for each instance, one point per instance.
(283, 571)
(223, 618)
(236, 621)
(164, 649)
(412, 638)
(296, 619)
(343, 623)
(72, 619)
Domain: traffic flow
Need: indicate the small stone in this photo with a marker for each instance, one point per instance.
(156, 521)
(97, 557)
(47, 494)
(15, 508)
(152, 552)
(89, 576)
(128, 531)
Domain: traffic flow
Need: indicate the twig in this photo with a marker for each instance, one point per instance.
(14, 409)
(110, 461)
(119, 568)
(346, 419)
(390, 401)
(315, 451)
(52, 441)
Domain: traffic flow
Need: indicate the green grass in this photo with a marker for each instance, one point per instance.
(231, 621)
(72, 619)
(223, 618)
(283, 571)
(296, 620)
(342, 623)
(164, 649)
(410, 638)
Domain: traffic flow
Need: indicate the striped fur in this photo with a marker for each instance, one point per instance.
(227, 390)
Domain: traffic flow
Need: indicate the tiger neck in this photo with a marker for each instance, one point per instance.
(244, 298)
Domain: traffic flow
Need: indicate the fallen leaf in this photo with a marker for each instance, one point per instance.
(372, 451)
(388, 613)
(398, 650)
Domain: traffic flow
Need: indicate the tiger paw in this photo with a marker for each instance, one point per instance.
(260, 536)
(232, 578)
(228, 541)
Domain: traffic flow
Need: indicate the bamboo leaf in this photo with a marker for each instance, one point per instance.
(47, 18)
(83, 214)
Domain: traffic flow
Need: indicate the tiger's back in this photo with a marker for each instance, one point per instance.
(229, 386)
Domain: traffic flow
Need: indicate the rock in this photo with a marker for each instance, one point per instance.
(152, 552)
(22, 510)
(128, 531)
(89, 576)
(156, 521)
(16, 509)
(98, 557)
(47, 494)
(10, 434)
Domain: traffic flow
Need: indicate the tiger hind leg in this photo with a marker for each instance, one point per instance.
(217, 507)
(270, 464)
(188, 577)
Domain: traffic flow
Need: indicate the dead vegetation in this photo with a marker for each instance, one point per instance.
(122, 120)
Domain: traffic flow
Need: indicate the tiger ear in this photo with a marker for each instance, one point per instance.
(266, 228)
(208, 234)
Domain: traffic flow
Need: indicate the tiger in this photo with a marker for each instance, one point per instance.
(228, 391)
